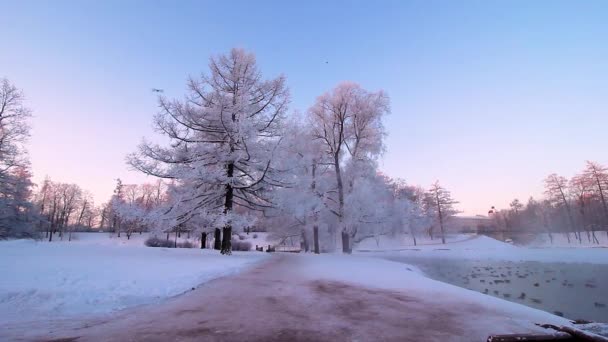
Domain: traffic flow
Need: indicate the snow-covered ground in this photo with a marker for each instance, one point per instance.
(389, 275)
(403, 241)
(483, 247)
(326, 297)
(98, 273)
(561, 241)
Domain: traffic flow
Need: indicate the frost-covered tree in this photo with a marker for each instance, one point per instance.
(348, 123)
(299, 202)
(409, 214)
(223, 137)
(443, 204)
(115, 202)
(16, 209)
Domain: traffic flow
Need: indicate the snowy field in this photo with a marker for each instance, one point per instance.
(97, 273)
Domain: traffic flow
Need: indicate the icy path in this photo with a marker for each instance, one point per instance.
(309, 298)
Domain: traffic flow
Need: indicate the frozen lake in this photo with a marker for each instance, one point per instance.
(572, 290)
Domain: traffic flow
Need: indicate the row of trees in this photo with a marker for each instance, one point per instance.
(575, 206)
(63, 208)
(236, 160)
(53, 208)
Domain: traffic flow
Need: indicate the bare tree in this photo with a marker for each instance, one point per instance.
(444, 205)
(598, 176)
(556, 189)
(580, 186)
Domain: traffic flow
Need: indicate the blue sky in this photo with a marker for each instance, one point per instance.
(487, 96)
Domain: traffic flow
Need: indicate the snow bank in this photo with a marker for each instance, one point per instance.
(97, 274)
(561, 241)
(482, 247)
(402, 241)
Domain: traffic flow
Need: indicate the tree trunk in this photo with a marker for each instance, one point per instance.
(51, 236)
(203, 240)
(315, 231)
(440, 219)
(217, 242)
(340, 195)
(346, 243)
(226, 243)
(175, 243)
(413, 235)
(226, 246)
(167, 236)
(304, 245)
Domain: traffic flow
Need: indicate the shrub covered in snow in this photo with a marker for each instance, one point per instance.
(185, 244)
(241, 246)
(156, 242)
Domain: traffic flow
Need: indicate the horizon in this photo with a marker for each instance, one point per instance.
(472, 85)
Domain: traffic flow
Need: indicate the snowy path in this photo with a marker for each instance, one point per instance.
(292, 298)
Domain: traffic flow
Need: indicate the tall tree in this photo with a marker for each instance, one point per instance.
(580, 187)
(598, 176)
(223, 136)
(15, 183)
(348, 122)
(556, 189)
(444, 205)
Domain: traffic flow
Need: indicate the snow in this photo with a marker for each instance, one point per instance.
(402, 241)
(561, 241)
(482, 247)
(98, 274)
(384, 274)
